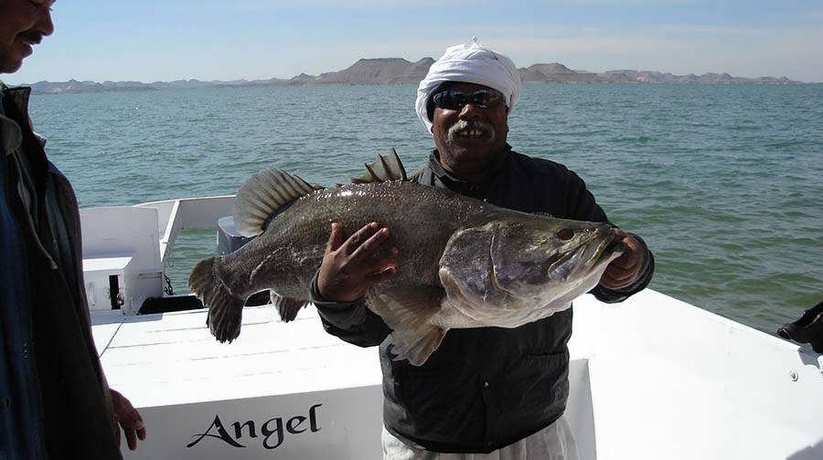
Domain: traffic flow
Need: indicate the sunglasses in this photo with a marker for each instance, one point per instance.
(453, 99)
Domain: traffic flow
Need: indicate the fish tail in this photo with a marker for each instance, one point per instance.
(225, 309)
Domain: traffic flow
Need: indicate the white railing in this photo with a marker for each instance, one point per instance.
(175, 216)
(125, 247)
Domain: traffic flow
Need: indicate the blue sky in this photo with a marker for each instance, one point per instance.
(151, 40)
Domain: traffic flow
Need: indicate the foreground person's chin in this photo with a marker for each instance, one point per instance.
(10, 66)
(473, 143)
(12, 62)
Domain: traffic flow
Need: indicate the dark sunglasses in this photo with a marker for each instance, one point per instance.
(453, 99)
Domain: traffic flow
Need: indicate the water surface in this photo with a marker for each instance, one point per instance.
(723, 182)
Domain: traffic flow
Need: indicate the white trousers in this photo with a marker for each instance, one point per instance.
(555, 442)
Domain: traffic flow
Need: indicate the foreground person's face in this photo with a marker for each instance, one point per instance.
(23, 24)
(469, 126)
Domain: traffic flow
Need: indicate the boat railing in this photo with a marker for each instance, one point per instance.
(125, 248)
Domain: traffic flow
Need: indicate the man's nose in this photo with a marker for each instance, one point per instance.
(44, 24)
(470, 111)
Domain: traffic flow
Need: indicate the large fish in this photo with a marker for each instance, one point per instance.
(462, 262)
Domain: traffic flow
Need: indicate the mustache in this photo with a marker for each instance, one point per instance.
(32, 37)
(464, 125)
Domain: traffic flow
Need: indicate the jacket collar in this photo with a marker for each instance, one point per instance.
(464, 186)
(10, 133)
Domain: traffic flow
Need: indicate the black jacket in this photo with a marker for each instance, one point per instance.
(484, 388)
(75, 400)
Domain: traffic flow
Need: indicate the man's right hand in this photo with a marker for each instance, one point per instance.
(351, 266)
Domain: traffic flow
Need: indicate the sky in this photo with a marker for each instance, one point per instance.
(151, 40)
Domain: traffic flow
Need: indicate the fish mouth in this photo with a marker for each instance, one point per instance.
(611, 248)
(590, 257)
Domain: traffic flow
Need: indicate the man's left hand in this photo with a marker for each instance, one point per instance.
(625, 270)
(127, 417)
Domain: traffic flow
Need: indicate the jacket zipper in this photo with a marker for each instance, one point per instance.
(29, 219)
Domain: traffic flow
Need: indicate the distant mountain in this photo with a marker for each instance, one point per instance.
(303, 78)
(74, 86)
(634, 76)
(391, 71)
(557, 73)
(380, 71)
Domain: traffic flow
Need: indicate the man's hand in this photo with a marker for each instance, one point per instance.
(625, 270)
(126, 416)
(352, 266)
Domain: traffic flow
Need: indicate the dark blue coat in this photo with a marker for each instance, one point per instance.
(61, 359)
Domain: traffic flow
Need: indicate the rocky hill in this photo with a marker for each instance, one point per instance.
(391, 71)
(74, 86)
(634, 76)
(557, 73)
(381, 71)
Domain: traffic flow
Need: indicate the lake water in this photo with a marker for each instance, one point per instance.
(725, 183)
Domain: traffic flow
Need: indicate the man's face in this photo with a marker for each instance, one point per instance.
(469, 136)
(23, 23)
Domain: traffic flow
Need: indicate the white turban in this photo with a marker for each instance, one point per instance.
(470, 63)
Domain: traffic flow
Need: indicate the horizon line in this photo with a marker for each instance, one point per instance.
(285, 79)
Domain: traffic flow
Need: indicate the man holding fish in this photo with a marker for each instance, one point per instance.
(486, 392)
(464, 275)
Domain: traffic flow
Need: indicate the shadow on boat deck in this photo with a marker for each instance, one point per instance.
(809, 358)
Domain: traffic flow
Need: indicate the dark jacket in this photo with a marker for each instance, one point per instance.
(75, 398)
(484, 388)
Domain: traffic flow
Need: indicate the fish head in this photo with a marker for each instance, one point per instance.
(525, 262)
(544, 258)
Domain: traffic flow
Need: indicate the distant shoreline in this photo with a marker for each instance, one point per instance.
(389, 71)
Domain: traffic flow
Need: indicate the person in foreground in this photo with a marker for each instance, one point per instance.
(486, 392)
(54, 399)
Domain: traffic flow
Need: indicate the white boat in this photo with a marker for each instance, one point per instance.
(651, 378)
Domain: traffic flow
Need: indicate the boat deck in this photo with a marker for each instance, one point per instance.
(651, 378)
(176, 352)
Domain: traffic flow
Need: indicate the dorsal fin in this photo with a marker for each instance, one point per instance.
(385, 168)
(265, 195)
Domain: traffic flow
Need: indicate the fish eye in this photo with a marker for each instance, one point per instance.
(566, 234)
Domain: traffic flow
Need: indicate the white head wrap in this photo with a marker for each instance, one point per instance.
(470, 63)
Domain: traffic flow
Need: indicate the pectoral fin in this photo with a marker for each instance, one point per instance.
(417, 346)
(410, 313)
(287, 307)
